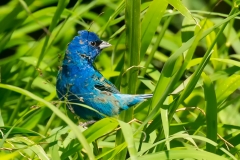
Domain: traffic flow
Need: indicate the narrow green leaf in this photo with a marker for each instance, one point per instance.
(100, 128)
(150, 22)
(129, 139)
(187, 136)
(211, 111)
(181, 8)
(132, 58)
(182, 154)
(55, 135)
(227, 87)
(6, 24)
(188, 28)
(18, 130)
(165, 123)
(1, 119)
(209, 40)
(37, 149)
(113, 16)
(228, 61)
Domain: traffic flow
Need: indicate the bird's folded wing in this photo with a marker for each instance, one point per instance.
(105, 85)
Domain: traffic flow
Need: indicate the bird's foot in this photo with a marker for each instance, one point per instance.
(86, 124)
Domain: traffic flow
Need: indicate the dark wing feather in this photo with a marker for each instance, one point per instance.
(103, 84)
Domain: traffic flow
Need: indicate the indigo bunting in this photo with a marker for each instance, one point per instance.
(78, 81)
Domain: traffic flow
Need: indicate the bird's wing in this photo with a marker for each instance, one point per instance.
(103, 84)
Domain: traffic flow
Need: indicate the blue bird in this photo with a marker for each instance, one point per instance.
(78, 81)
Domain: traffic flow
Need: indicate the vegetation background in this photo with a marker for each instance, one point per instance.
(185, 52)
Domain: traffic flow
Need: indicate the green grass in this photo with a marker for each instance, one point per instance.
(187, 54)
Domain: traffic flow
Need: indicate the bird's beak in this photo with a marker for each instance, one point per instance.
(104, 45)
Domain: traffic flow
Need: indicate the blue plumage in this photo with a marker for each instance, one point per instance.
(78, 81)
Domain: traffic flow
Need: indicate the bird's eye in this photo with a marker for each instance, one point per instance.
(93, 43)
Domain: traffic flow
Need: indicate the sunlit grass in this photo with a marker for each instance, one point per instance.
(187, 57)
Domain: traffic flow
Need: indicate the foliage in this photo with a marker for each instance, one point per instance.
(186, 53)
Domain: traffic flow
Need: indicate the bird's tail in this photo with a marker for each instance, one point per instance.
(128, 100)
(144, 96)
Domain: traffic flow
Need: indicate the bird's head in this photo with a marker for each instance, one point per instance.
(87, 45)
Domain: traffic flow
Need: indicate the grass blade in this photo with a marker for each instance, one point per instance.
(211, 111)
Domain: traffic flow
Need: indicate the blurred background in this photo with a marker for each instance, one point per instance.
(34, 35)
